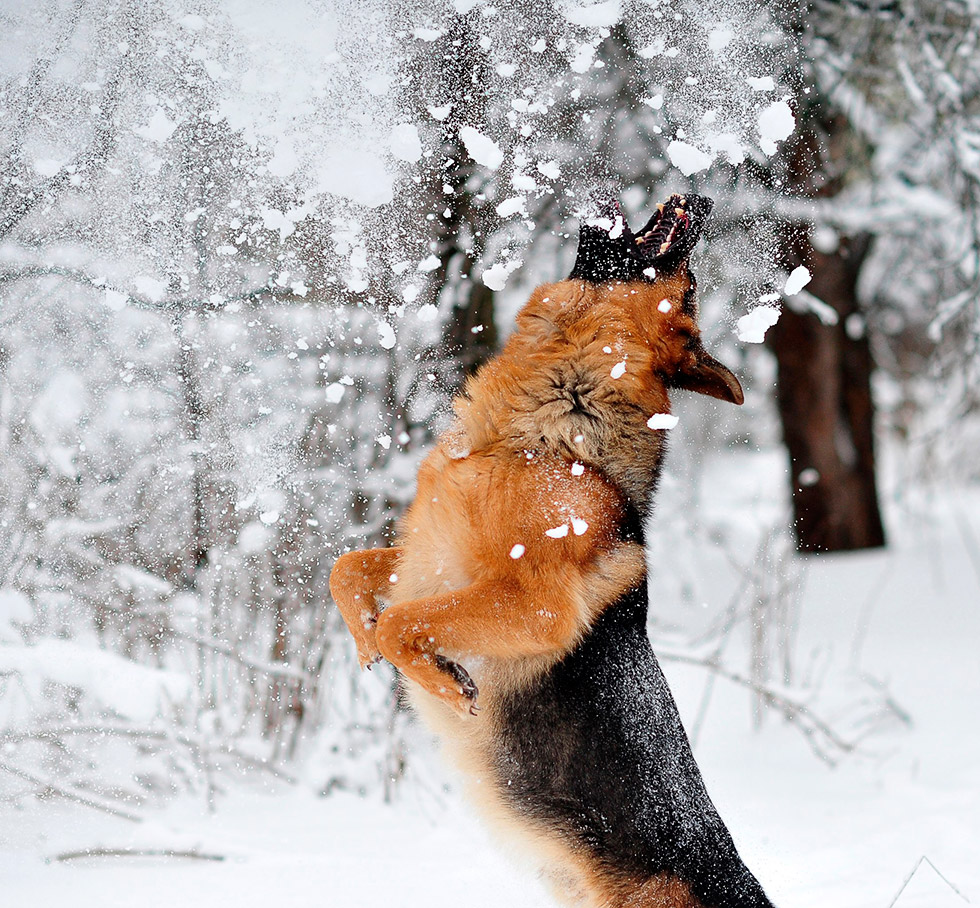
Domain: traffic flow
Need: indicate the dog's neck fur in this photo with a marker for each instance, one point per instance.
(590, 404)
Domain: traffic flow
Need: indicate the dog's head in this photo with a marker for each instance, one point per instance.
(648, 274)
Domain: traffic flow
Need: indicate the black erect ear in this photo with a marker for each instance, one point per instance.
(609, 251)
(708, 376)
(606, 248)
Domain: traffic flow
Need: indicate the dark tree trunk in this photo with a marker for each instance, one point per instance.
(824, 380)
(827, 412)
(461, 217)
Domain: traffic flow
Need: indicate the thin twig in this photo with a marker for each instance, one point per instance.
(52, 734)
(276, 669)
(48, 785)
(135, 853)
(792, 709)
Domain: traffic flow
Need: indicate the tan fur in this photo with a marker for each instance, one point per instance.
(548, 434)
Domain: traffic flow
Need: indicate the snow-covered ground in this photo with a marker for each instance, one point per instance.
(817, 836)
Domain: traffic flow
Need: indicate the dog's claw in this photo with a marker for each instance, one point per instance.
(467, 686)
(369, 662)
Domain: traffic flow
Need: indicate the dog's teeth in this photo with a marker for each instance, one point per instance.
(664, 247)
(678, 211)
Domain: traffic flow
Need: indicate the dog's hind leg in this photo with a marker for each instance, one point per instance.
(355, 582)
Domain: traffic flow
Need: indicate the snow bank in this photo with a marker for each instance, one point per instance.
(131, 690)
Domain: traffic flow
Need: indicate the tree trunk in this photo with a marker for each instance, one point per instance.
(824, 380)
(826, 407)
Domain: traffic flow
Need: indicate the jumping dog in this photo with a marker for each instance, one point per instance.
(514, 602)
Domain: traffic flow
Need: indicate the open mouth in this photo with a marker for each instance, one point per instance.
(671, 234)
(670, 222)
(609, 250)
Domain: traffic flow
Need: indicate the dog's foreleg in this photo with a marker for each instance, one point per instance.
(355, 582)
(496, 619)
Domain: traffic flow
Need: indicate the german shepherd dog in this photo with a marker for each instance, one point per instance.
(516, 596)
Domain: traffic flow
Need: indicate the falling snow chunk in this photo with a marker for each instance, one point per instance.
(192, 22)
(384, 441)
(404, 143)
(496, 277)
(283, 221)
(517, 551)
(619, 370)
(656, 102)
(549, 169)
(269, 517)
(284, 160)
(601, 223)
(577, 469)
(440, 113)
(763, 83)
(115, 300)
(720, 38)
(386, 335)
(429, 264)
(480, 148)
(150, 287)
(506, 70)
(514, 205)
(808, 477)
(428, 34)
(776, 122)
(428, 313)
(593, 15)
(579, 526)
(358, 175)
(752, 327)
(582, 61)
(557, 532)
(728, 144)
(686, 158)
(159, 129)
(47, 167)
(664, 306)
(798, 279)
(334, 392)
(662, 421)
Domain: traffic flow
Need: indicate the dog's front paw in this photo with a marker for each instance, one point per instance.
(366, 641)
(463, 695)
